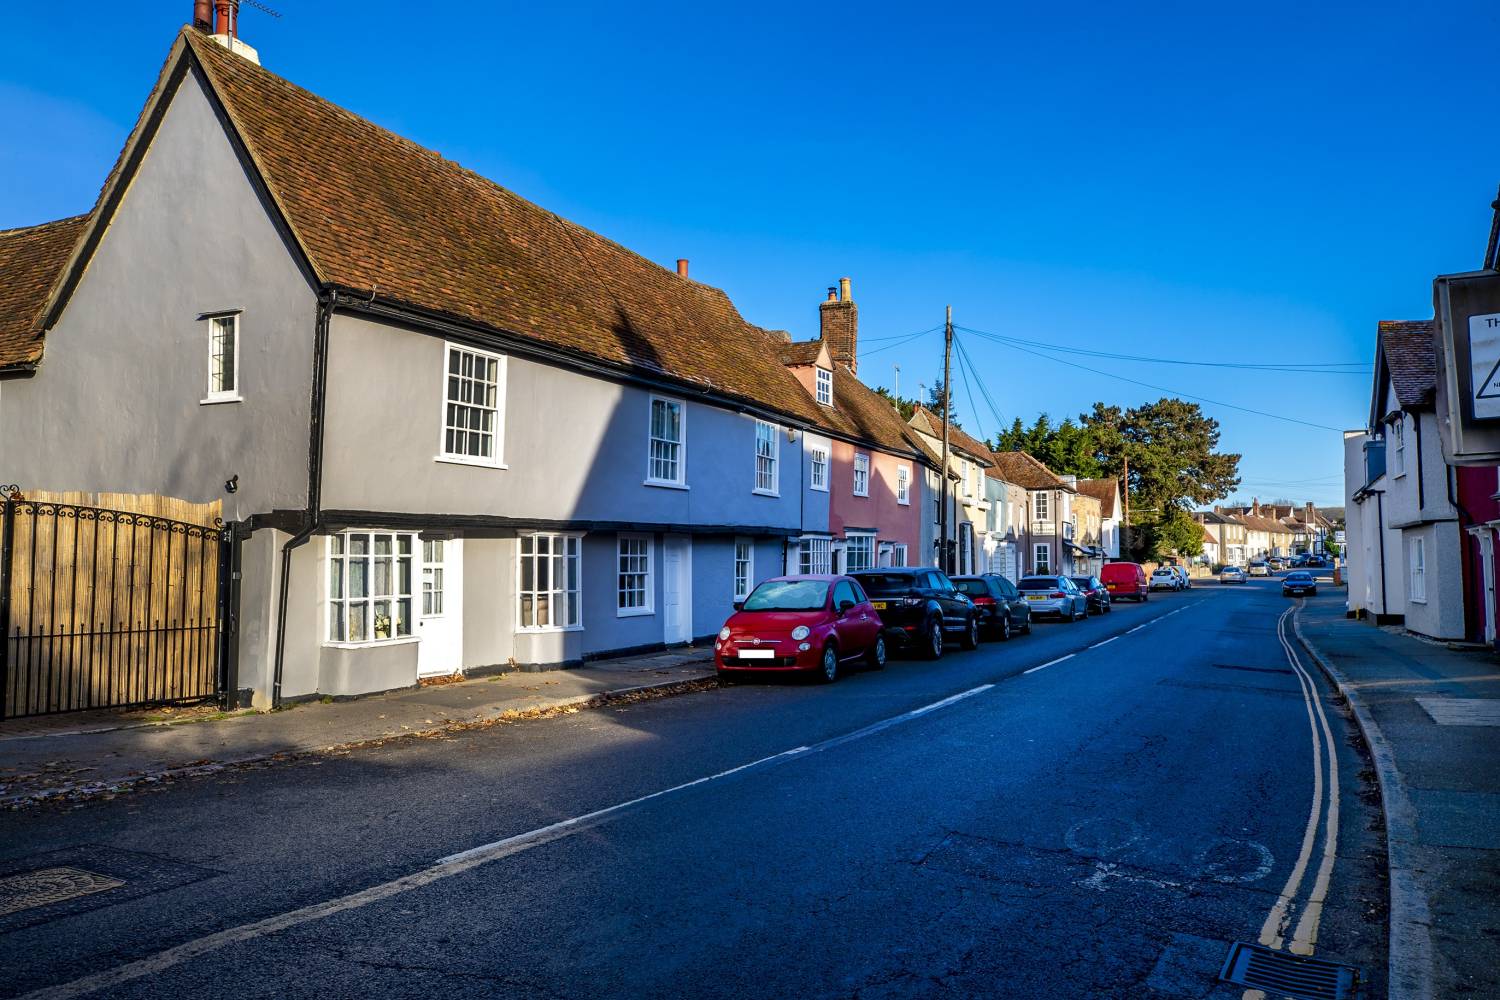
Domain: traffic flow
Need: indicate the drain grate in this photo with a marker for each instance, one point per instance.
(46, 886)
(1284, 974)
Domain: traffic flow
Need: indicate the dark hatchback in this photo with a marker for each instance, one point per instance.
(1095, 590)
(1002, 610)
(1298, 583)
(920, 607)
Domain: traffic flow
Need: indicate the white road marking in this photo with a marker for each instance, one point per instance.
(1049, 663)
(1138, 627)
(1106, 642)
(1306, 935)
(453, 864)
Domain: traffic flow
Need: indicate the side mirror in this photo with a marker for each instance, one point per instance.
(739, 605)
(845, 606)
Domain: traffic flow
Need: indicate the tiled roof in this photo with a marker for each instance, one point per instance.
(801, 352)
(1027, 472)
(1266, 524)
(377, 213)
(931, 424)
(1208, 537)
(30, 260)
(1410, 357)
(1103, 490)
(865, 413)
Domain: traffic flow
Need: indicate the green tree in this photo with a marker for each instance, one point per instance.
(905, 407)
(1171, 447)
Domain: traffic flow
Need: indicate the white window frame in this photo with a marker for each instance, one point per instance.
(232, 393)
(648, 584)
(434, 572)
(680, 480)
(744, 582)
(572, 597)
(903, 485)
(1398, 431)
(496, 458)
(1419, 571)
(898, 555)
(819, 483)
(1041, 553)
(815, 555)
(337, 554)
(824, 387)
(862, 541)
(861, 474)
(1042, 505)
(773, 435)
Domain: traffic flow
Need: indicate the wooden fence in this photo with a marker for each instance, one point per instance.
(107, 600)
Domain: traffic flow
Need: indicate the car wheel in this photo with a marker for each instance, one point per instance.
(830, 667)
(971, 634)
(935, 639)
(1085, 609)
(1005, 632)
(875, 658)
(1109, 606)
(1028, 623)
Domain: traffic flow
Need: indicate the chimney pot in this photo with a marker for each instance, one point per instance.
(682, 267)
(203, 15)
(833, 294)
(844, 295)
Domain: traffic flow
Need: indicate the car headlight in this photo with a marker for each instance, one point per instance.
(800, 632)
(724, 633)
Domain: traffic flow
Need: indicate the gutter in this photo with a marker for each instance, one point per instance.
(327, 302)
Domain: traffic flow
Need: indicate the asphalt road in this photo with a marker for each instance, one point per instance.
(1102, 826)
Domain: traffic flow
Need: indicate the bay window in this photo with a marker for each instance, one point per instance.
(369, 586)
(547, 582)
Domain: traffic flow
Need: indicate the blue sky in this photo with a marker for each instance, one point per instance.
(1180, 180)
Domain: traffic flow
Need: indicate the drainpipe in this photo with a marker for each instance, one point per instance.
(1380, 533)
(327, 302)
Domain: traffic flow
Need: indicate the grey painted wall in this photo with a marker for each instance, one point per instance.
(114, 405)
(575, 447)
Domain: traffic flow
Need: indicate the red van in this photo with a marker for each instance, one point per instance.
(1125, 580)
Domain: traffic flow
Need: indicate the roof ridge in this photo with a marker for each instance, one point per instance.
(36, 227)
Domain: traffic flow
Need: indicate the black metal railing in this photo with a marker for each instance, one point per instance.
(105, 608)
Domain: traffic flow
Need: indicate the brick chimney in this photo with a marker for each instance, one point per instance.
(1312, 513)
(1255, 506)
(838, 320)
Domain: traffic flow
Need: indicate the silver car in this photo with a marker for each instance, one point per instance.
(1054, 595)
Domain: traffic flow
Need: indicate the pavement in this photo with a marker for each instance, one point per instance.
(73, 756)
(1094, 810)
(1431, 715)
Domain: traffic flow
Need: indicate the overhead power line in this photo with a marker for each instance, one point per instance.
(1300, 368)
(1013, 344)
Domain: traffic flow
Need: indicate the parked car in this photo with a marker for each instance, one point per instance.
(1184, 582)
(1298, 583)
(1054, 595)
(1002, 610)
(1126, 579)
(1163, 578)
(920, 608)
(1259, 568)
(1094, 592)
(1315, 562)
(1299, 560)
(1232, 574)
(809, 623)
(1276, 562)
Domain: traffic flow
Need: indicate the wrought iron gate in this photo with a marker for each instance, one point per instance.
(105, 608)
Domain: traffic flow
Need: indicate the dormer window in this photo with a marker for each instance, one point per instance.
(825, 387)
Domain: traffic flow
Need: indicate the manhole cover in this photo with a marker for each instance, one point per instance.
(1284, 974)
(46, 886)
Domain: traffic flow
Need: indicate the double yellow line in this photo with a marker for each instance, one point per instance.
(1305, 933)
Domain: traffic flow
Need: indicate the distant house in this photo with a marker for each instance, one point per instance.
(968, 458)
(1048, 519)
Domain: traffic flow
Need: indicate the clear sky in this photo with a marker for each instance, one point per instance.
(1192, 181)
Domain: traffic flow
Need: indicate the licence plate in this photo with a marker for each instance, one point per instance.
(757, 654)
(878, 605)
(1035, 597)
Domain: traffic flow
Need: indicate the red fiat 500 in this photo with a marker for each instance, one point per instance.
(811, 623)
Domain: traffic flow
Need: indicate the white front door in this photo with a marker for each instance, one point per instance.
(677, 589)
(440, 624)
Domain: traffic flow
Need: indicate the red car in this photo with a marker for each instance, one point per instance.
(1126, 579)
(808, 623)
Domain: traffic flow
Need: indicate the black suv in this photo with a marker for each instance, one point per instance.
(1002, 610)
(919, 607)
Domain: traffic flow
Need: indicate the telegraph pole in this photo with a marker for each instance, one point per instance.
(943, 558)
(1125, 498)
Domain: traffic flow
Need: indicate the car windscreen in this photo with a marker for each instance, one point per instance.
(789, 595)
(878, 584)
(1298, 577)
(1083, 582)
(974, 588)
(1037, 583)
(1163, 571)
